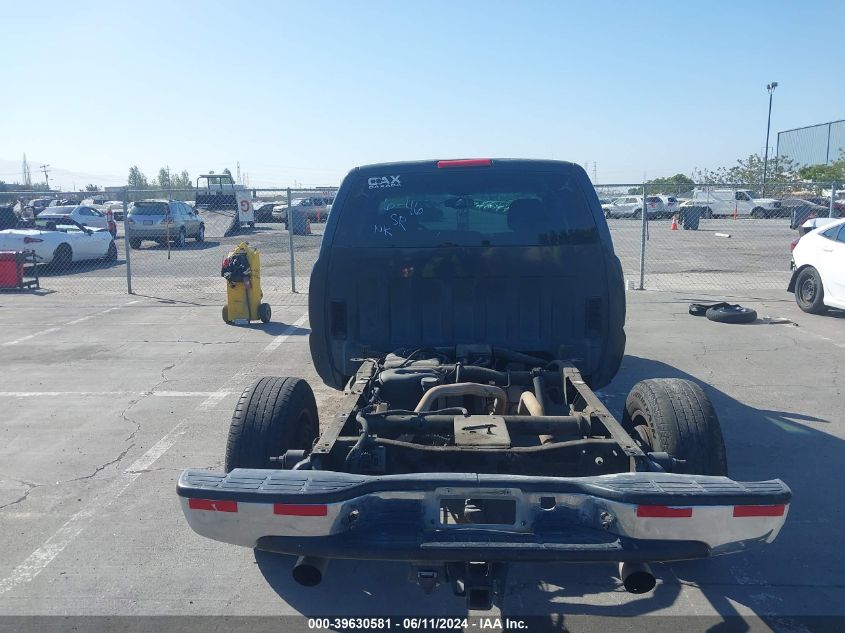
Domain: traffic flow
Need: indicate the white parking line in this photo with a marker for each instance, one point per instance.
(36, 562)
(109, 394)
(52, 547)
(74, 322)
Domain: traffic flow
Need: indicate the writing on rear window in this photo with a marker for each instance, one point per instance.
(383, 182)
(467, 209)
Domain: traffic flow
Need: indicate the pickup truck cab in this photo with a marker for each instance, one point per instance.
(467, 309)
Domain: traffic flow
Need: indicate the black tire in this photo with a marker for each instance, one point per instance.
(731, 314)
(200, 237)
(111, 254)
(181, 239)
(809, 292)
(62, 257)
(135, 243)
(272, 416)
(264, 312)
(225, 314)
(675, 416)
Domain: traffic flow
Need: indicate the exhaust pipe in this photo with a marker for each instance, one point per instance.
(309, 570)
(637, 577)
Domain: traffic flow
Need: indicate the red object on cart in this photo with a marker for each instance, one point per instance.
(12, 269)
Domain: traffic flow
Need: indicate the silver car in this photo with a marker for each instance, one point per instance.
(160, 220)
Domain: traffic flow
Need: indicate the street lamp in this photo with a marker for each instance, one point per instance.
(771, 88)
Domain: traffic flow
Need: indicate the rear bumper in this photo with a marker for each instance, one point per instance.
(635, 517)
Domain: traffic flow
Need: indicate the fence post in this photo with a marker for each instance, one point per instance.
(290, 241)
(642, 238)
(126, 240)
(831, 211)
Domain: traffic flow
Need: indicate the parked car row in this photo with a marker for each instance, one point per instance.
(60, 241)
(632, 207)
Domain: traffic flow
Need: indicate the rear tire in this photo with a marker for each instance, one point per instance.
(62, 257)
(200, 238)
(675, 416)
(272, 416)
(809, 292)
(264, 312)
(225, 314)
(135, 243)
(111, 254)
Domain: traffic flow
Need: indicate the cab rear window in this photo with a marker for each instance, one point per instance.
(467, 208)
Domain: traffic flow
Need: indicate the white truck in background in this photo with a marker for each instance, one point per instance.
(727, 202)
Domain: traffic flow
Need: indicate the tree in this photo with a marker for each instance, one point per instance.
(672, 185)
(91, 188)
(749, 172)
(137, 180)
(835, 171)
(164, 178)
(181, 180)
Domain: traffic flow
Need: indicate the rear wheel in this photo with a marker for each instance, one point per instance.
(200, 234)
(264, 312)
(272, 416)
(135, 242)
(675, 416)
(225, 314)
(111, 253)
(62, 256)
(809, 292)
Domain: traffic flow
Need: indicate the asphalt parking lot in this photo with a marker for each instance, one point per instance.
(108, 398)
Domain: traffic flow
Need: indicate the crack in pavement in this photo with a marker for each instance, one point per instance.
(30, 486)
(101, 467)
(126, 418)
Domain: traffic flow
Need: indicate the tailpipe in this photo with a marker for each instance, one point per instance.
(637, 577)
(309, 570)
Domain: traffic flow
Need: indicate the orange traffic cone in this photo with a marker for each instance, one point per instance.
(675, 222)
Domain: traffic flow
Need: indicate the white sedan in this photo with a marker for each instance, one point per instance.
(819, 278)
(60, 243)
(83, 214)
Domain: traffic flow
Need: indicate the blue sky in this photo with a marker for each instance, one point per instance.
(304, 91)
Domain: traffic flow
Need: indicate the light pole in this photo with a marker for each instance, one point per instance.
(771, 88)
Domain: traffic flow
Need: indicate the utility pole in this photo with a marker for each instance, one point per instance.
(45, 171)
(771, 88)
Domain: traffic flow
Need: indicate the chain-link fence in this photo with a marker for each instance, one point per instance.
(170, 244)
(712, 238)
(167, 244)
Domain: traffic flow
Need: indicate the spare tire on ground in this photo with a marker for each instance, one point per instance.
(731, 314)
